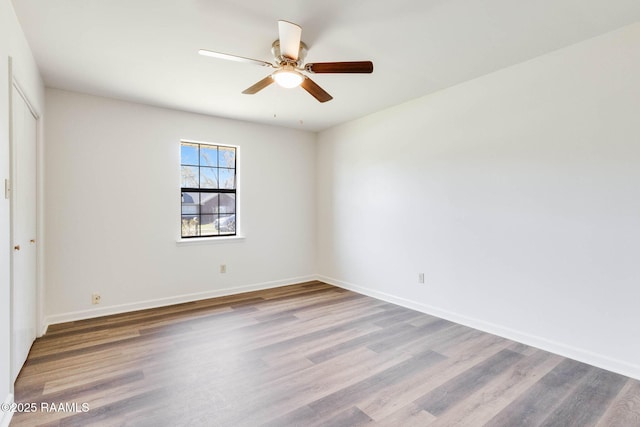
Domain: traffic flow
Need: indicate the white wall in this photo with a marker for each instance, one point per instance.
(113, 207)
(14, 45)
(517, 194)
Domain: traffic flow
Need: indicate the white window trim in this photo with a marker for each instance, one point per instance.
(180, 241)
(209, 240)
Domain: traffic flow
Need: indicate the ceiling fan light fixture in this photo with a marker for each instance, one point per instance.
(289, 53)
(288, 77)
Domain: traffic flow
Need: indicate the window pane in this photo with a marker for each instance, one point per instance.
(207, 212)
(209, 203)
(208, 156)
(227, 203)
(208, 178)
(190, 225)
(226, 224)
(227, 178)
(190, 203)
(189, 154)
(189, 177)
(227, 157)
(207, 227)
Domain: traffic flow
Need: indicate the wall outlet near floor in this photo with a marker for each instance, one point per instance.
(223, 268)
(95, 299)
(420, 277)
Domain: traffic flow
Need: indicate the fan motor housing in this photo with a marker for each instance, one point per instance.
(280, 58)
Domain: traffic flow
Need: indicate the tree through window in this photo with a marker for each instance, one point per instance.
(208, 190)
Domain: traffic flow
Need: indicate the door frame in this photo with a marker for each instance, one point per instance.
(39, 314)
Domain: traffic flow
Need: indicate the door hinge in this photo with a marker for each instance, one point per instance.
(7, 189)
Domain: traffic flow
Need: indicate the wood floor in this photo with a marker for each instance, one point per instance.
(305, 355)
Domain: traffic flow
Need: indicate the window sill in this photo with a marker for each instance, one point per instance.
(209, 240)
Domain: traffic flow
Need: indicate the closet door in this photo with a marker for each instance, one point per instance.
(23, 224)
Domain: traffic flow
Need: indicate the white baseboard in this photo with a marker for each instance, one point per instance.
(5, 416)
(162, 302)
(601, 361)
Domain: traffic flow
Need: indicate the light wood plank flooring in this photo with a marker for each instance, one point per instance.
(305, 355)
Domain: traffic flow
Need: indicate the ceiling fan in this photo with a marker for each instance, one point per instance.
(289, 53)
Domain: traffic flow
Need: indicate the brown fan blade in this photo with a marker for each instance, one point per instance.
(228, 57)
(258, 86)
(289, 34)
(316, 91)
(340, 67)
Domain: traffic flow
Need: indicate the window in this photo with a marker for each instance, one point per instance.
(208, 190)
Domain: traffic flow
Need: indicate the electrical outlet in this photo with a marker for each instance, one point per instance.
(223, 268)
(95, 299)
(420, 277)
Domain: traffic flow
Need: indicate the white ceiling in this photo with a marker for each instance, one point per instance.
(146, 50)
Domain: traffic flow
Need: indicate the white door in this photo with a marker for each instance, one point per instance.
(23, 225)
